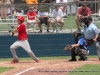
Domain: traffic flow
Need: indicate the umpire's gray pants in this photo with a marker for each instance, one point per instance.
(97, 48)
(25, 45)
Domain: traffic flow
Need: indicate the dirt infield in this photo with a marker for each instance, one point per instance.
(46, 67)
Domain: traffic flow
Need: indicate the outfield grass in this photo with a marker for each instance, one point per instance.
(3, 69)
(88, 69)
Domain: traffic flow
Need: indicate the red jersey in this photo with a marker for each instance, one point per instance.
(84, 12)
(22, 35)
(31, 15)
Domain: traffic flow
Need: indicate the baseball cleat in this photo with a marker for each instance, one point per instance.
(38, 61)
(14, 61)
(72, 60)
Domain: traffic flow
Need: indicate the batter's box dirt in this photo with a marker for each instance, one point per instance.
(46, 67)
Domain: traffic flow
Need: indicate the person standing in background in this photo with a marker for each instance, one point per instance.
(4, 9)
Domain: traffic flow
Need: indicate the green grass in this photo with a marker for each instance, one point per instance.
(88, 69)
(45, 58)
(3, 69)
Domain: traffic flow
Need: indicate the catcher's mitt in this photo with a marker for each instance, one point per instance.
(68, 47)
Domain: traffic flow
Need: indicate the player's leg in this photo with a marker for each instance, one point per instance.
(34, 25)
(73, 55)
(26, 46)
(53, 25)
(78, 23)
(13, 47)
(47, 22)
(61, 21)
(39, 24)
(28, 23)
(97, 48)
(83, 53)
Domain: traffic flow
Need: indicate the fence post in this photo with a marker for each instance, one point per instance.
(70, 20)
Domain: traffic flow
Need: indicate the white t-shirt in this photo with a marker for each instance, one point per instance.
(42, 13)
(57, 14)
(59, 1)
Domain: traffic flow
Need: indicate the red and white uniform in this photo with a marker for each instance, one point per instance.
(22, 35)
(31, 16)
(22, 42)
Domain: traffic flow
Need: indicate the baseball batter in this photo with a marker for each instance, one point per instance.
(91, 34)
(22, 41)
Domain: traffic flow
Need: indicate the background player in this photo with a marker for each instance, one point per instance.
(22, 41)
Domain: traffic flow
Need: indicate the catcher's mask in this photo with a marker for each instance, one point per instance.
(77, 35)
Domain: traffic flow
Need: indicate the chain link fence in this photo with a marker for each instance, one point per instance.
(13, 10)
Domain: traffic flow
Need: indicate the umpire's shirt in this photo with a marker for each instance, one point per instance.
(90, 31)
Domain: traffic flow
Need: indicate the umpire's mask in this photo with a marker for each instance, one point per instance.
(87, 20)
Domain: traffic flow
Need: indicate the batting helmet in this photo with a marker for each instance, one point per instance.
(20, 18)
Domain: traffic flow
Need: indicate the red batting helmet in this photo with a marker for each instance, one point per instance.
(20, 18)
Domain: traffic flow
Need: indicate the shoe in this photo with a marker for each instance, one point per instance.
(80, 59)
(72, 60)
(48, 31)
(14, 61)
(60, 30)
(85, 59)
(40, 31)
(54, 31)
(38, 61)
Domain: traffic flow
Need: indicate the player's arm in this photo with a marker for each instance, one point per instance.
(96, 37)
(75, 45)
(14, 33)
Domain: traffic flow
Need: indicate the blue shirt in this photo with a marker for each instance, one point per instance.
(90, 31)
(82, 43)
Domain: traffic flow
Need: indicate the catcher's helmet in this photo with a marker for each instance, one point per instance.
(20, 18)
(77, 36)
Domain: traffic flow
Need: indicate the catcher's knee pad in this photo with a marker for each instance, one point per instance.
(82, 51)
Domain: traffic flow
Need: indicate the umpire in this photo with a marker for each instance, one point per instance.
(91, 34)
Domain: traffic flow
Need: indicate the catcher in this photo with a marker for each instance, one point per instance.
(80, 48)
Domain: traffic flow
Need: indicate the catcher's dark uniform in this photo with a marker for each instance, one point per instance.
(82, 50)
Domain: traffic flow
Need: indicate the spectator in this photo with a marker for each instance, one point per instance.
(43, 16)
(63, 8)
(57, 14)
(4, 9)
(81, 14)
(31, 18)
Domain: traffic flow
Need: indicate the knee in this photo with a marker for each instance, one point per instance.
(12, 48)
